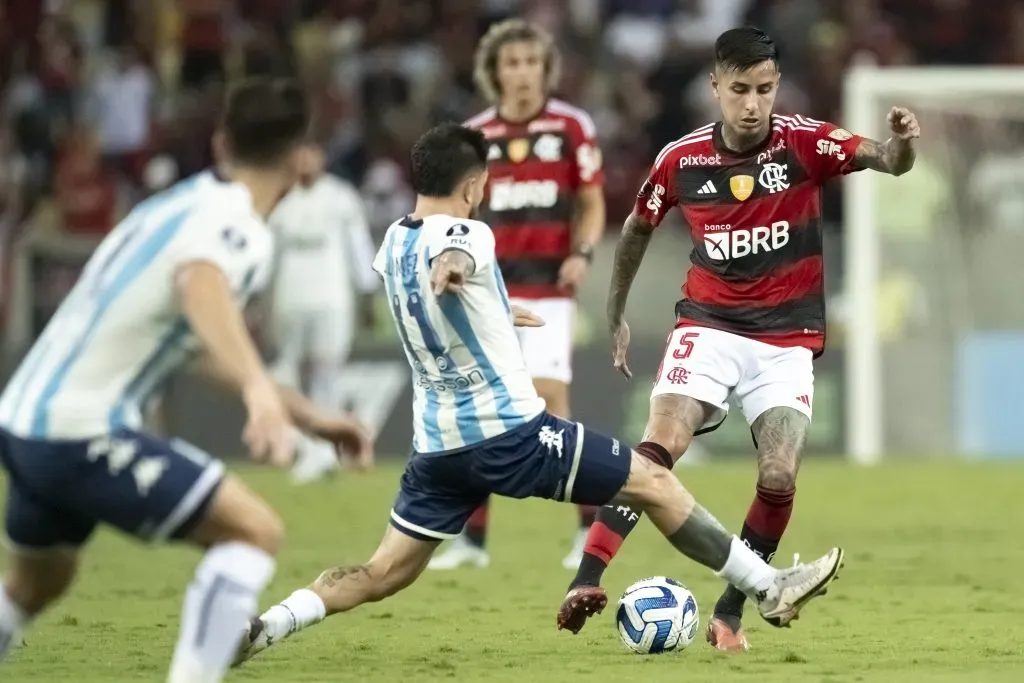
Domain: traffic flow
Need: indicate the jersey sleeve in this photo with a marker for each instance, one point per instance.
(658, 193)
(246, 259)
(588, 164)
(827, 151)
(471, 237)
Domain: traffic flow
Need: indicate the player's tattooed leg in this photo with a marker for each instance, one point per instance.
(703, 539)
(670, 427)
(331, 577)
(780, 434)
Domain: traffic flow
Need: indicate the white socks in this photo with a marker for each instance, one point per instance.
(218, 604)
(300, 609)
(748, 572)
(13, 621)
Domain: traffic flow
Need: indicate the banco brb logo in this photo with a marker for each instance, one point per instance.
(722, 246)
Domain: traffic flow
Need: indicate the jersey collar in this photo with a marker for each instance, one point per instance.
(719, 142)
(411, 223)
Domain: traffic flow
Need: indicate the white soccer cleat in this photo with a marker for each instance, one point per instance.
(255, 639)
(316, 461)
(575, 556)
(460, 553)
(798, 585)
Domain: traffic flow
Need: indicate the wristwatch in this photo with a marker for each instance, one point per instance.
(585, 250)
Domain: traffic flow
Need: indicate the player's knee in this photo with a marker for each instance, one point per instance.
(652, 483)
(777, 474)
(267, 532)
(33, 584)
(670, 436)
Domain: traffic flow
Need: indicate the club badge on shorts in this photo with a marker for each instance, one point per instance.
(741, 186)
(518, 150)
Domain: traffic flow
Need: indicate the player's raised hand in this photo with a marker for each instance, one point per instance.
(522, 317)
(269, 433)
(350, 437)
(620, 349)
(903, 123)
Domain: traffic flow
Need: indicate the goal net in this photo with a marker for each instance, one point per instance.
(932, 313)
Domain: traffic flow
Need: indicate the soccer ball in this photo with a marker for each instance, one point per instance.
(657, 615)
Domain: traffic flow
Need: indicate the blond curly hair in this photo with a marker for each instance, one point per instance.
(485, 70)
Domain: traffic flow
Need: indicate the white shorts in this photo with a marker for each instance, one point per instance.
(711, 365)
(313, 334)
(548, 349)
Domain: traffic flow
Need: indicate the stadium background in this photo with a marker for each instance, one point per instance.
(104, 101)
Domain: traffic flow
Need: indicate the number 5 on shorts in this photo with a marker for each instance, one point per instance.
(685, 346)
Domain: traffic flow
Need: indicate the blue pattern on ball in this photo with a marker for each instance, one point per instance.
(664, 626)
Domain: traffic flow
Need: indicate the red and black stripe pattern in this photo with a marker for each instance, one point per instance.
(757, 267)
(536, 168)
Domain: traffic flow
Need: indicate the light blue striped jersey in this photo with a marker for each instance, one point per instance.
(470, 382)
(119, 333)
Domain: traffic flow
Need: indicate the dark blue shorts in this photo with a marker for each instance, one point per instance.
(58, 491)
(546, 458)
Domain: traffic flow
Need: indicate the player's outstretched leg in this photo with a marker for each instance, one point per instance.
(242, 535)
(396, 564)
(780, 434)
(34, 580)
(671, 426)
(778, 594)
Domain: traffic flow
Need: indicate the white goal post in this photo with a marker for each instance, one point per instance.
(867, 92)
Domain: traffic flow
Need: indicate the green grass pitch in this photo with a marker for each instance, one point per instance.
(931, 591)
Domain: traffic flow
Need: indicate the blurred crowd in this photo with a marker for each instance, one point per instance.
(104, 101)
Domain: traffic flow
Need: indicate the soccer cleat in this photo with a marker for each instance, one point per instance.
(579, 604)
(726, 634)
(255, 640)
(460, 553)
(575, 556)
(798, 585)
(316, 461)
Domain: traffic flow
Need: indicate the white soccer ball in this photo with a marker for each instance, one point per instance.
(657, 615)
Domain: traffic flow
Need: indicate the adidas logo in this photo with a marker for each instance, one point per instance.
(707, 188)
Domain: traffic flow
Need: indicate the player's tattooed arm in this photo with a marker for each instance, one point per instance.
(896, 155)
(450, 270)
(629, 252)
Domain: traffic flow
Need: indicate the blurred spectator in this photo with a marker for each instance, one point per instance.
(13, 183)
(124, 97)
(204, 34)
(60, 70)
(86, 191)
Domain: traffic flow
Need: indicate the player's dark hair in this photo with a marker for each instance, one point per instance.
(444, 156)
(738, 49)
(264, 119)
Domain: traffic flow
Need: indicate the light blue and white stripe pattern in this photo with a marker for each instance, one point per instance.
(470, 382)
(119, 334)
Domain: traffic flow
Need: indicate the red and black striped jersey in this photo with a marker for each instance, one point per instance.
(536, 168)
(756, 265)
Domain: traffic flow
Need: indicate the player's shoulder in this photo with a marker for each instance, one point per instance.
(573, 118)
(489, 115)
(450, 226)
(696, 143)
(800, 126)
(340, 187)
